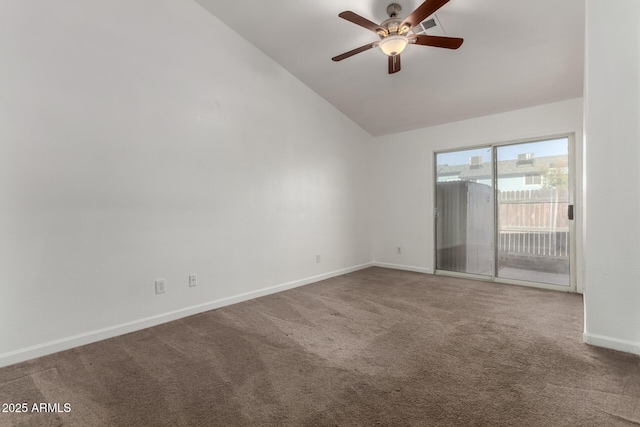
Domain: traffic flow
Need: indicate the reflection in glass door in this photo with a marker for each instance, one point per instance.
(504, 212)
(533, 202)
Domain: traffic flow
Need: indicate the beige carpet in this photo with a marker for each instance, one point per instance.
(375, 347)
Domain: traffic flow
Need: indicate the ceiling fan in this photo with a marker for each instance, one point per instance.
(394, 32)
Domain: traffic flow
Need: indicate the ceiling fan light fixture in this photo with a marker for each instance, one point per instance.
(393, 45)
(394, 32)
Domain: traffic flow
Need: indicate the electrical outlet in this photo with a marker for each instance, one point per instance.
(193, 280)
(318, 259)
(160, 283)
(399, 250)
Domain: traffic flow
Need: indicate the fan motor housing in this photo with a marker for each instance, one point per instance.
(392, 25)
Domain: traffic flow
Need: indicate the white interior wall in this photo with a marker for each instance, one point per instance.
(145, 140)
(612, 130)
(403, 176)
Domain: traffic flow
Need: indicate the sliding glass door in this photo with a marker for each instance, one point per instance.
(464, 212)
(505, 212)
(534, 241)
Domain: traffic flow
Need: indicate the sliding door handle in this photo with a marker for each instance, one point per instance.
(571, 212)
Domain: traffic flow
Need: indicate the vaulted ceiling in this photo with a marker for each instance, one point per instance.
(516, 54)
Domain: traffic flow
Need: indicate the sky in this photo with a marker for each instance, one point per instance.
(507, 152)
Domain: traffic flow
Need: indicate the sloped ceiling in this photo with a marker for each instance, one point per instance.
(516, 54)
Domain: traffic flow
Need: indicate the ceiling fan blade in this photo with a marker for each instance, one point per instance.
(394, 64)
(354, 51)
(421, 13)
(437, 41)
(363, 22)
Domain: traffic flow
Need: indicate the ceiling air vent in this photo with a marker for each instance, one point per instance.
(430, 26)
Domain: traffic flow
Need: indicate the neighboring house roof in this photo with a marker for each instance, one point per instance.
(537, 165)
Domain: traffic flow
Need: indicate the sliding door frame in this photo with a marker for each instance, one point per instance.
(572, 223)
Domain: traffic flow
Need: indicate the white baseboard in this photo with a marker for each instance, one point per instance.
(402, 267)
(67, 343)
(611, 343)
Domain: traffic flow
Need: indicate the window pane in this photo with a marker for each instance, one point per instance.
(533, 225)
(464, 211)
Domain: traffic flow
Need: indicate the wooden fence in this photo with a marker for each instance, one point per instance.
(534, 222)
